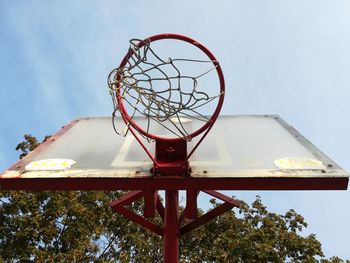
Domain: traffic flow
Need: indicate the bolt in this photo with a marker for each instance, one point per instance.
(170, 149)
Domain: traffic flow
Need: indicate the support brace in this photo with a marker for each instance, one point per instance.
(173, 227)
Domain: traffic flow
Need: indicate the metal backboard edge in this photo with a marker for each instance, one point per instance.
(174, 183)
(330, 164)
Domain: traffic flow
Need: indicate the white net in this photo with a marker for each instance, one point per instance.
(159, 90)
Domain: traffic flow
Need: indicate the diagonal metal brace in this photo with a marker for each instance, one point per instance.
(217, 211)
(119, 204)
(222, 197)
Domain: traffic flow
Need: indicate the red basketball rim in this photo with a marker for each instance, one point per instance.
(128, 120)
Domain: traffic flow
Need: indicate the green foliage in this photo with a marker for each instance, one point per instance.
(79, 226)
(69, 227)
(28, 145)
(255, 235)
(334, 260)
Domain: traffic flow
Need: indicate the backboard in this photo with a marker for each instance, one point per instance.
(257, 152)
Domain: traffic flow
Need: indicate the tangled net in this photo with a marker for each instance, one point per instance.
(155, 88)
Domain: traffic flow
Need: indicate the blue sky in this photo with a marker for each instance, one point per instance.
(290, 58)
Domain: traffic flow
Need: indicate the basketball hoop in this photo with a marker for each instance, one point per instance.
(173, 103)
(149, 86)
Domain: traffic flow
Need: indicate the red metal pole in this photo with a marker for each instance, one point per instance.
(171, 227)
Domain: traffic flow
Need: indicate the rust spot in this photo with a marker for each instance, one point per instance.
(205, 171)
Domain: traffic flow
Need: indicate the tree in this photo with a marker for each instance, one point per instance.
(79, 226)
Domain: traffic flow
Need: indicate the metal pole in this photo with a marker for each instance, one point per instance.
(171, 227)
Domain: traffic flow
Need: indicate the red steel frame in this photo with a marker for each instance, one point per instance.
(174, 183)
(173, 223)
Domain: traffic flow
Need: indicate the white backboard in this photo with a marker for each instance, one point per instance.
(237, 147)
